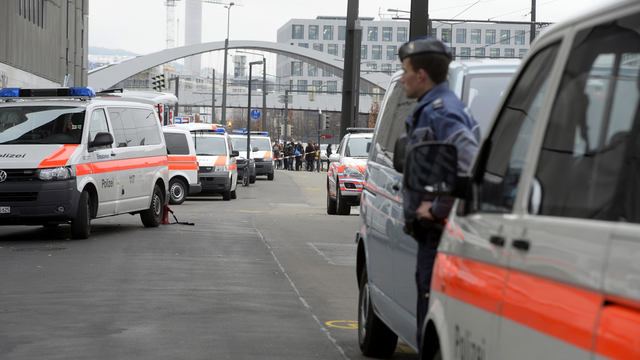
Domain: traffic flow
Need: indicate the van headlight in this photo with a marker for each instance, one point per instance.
(352, 173)
(222, 168)
(58, 173)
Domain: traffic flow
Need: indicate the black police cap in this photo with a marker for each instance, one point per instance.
(423, 45)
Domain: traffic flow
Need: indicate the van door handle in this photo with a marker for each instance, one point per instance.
(497, 240)
(113, 154)
(521, 245)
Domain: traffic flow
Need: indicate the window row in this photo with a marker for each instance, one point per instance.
(465, 53)
(376, 51)
(490, 36)
(303, 85)
(297, 32)
(312, 70)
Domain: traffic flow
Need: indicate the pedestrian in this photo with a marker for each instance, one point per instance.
(291, 149)
(299, 151)
(310, 155)
(328, 152)
(318, 161)
(439, 116)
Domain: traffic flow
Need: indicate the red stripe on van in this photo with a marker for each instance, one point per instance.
(128, 164)
(618, 333)
(97, 167)
(59, 158)
(183, 162)
(221, 160)
(267, 154)
(115, 165)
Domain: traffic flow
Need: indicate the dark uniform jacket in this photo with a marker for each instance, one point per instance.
(441, 116)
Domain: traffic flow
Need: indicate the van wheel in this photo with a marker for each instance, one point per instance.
(374, 337)
(343, 208)
(178, 191)
(226, 195)
(233, 194)
(152, 217)
(270, 176)
(331, 204)
(252, 179)
(81, 225)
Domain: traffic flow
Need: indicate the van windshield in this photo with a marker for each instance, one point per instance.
(41, 125)
(482, 93)
(210, 145)
(262, 144)
(357, 147)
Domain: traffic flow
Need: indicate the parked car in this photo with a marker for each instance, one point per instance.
(386, 255)
(539, 255)
(184, 176)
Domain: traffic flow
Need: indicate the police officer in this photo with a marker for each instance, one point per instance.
(439, 116)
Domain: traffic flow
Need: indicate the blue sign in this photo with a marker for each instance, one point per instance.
(255, 114)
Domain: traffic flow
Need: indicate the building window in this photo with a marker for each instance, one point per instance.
(372, 66)
(304, 45)
(363, 52)
(332, 49)
(479, 53)
(376, 52)
(402, 34)
(387, 34)
(343, 50)
(522, 52)
(494, 52)
(313, 32)
(391, 52)
(461, 36)
(297, 31)
(318, 47)
(302, 85)
(325, 73)
(446, 36)
(342, 32)
(509, 52)
(453, 53)
(398, 67)
(476, 36)
(490, 37)
(372, 33)
(464, 53)
(312, 70)
(327, 33)
(332, 86)
(505, 37)
(434, 33)
(519, 40)
(386, 68)
(317, 85)
(296, 68)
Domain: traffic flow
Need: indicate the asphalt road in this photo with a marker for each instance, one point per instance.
(268, 275)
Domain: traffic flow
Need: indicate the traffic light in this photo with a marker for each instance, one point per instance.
(158, 82)
(323, 121)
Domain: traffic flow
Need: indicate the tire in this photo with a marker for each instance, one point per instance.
(270, 176)
(245, 179)
(437, 355)
(152, 217)
(233, 194)
(178, 191)
(374, 337)
(343, 208)
(252, 179)
(81, 225)
(331, 204)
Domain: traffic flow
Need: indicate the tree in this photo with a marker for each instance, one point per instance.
(373, 114)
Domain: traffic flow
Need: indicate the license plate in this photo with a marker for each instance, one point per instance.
(5, 209)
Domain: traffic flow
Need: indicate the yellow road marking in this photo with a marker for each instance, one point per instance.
(312, 188)
(406, 349)
(248, 211)
(343, 324)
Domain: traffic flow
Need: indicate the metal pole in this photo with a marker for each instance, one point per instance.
(224, 76)
(177, 79)
(532, 36)
(249, 123)
(213, 98)
(319, 125)
(350, 88)
(264, 94)
(419, 18)
(286, 114)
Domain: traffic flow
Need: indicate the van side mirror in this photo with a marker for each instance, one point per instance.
(431, 168)
(368, 147)
(399, 153)
(255, 149)
(235, 153)
(101, 139)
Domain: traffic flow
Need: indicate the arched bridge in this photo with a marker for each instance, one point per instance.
(107, 76)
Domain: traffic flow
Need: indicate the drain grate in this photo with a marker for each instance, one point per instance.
(39, 249)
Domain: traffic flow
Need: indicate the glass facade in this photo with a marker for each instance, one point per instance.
(476, 36)
(372, 33)
(386, 68)
(387, 34)
(302, 85)
(509, 52)
(318, 47)
(376, 52)
(296, 68)
(342, 32)
(313, 32)
(332, 86)
(363, 52)
(519, 39)
(304, 45)
(327, 32)
(464, 53)
(479, 53)
(522, 52)
(461, 36)
(402, 34)
(490, 37)
(317, 85)
(446, 36)
(297, 31)
(312, 70)
(391, 52)
(332, 49)
(494, 52)
(505, 37)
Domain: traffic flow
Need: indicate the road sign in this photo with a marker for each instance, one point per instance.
(285, 99)
(255, 114)
(325, 136)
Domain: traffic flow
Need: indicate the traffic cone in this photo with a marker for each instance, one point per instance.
(165, 215)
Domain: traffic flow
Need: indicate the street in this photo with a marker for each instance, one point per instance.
(266, 276)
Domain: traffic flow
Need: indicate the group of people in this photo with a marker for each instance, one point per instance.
(292, 155)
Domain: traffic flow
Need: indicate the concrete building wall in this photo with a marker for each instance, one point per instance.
(193, 33)
(45, 43)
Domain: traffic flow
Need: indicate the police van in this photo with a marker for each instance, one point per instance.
(218, 170)
(184, 173)
(261, 152)
(539, 255)
(68, 156)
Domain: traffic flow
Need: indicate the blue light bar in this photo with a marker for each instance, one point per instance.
(82, 91)
(221, 130)
(9, 92)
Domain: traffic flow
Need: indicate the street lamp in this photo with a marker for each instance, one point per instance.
(224, 75)
(249, 115)
(264, 88)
